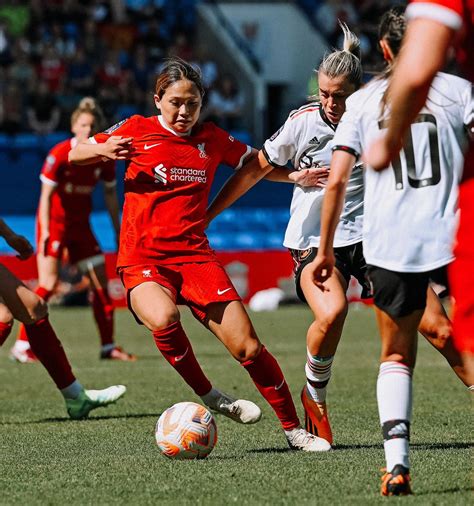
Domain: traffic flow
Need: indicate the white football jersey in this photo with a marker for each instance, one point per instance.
(411, 207)
(305, 140)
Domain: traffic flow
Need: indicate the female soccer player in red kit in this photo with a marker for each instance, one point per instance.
(164, 256)
(63, 224)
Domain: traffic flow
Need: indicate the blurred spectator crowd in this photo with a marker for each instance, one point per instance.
(362, 17)
(54, 52)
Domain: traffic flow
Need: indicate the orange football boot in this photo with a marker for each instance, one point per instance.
(316, 417)
(397, 482)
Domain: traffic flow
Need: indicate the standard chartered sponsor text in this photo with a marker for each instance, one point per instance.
(182, 174)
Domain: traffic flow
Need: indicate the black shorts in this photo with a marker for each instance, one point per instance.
(350, 261)
(401, 293)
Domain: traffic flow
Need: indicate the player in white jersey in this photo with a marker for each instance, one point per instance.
(410, 217)
(305, 141)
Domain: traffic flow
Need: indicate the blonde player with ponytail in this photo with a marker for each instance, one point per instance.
(63, 227)
(305, 140)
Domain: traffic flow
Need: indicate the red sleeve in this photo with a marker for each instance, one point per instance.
(108, 172)
(233, 152)
(125, 128)
(446, 12)
(56, 158)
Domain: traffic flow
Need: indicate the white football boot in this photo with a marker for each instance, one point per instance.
(239, 410)
(87, 400)
(299, 439)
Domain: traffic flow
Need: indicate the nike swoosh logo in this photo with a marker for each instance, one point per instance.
(151, 146)
(221, 292)
(280, 385)
(178, 359)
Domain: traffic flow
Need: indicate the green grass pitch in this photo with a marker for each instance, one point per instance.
(112, 457)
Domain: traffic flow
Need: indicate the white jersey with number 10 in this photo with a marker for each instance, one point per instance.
(410, 209)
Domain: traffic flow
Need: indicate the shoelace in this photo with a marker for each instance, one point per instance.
(302, 438)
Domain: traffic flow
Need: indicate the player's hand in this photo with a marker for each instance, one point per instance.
(21, 245)
(321, 269)
(117, 148)
(316, 178)
(381, 152)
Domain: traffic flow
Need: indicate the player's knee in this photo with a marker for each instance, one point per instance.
(249, 350)
(438, 332)
(332, 317)
(164, 319)
(36, 311)
(39, 310)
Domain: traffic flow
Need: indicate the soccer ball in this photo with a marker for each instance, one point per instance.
(186, 431)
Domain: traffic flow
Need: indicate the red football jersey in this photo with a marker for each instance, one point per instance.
(71, 203)
(167, 184)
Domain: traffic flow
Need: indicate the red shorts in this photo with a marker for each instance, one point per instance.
(195, 285)
(79, 242)
(461, 272)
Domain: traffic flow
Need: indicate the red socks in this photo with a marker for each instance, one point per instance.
(45, 295)
(47, 347)
(174, 345)
(5, 329)
(103, 309)
(268, 378)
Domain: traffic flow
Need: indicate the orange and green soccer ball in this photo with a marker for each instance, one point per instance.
(186, 430)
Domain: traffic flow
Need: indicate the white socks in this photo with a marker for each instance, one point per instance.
(318, 371)
(394, 398)
(72, 391)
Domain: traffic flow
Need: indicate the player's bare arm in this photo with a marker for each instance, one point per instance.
(254, 168)
(17, 242)
(115, 148)
(412, 77)
(341, 167)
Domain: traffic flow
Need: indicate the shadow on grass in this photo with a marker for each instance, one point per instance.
(442, 446)
(92, 419)
(270, 450)
(413, 446)
(452, 490)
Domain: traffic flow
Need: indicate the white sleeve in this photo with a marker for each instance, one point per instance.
(347, 136)
(469, 107)
(440, 13)
(282, 145)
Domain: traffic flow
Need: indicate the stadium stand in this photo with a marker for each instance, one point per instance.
(112, 50)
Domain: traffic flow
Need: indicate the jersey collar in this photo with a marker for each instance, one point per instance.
(166, 127)
(325, 118)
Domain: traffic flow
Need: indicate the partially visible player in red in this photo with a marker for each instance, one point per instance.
(19, 302)
(63, 224)
(435, 27)
(164, 255)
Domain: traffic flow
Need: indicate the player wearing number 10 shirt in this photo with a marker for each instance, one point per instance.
(410, 218)
(401, 231)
